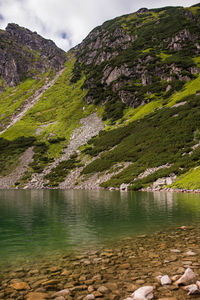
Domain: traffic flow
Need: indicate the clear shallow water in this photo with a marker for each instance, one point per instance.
(40, 223)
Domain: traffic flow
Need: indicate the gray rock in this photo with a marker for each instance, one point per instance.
(89, 297)
(187, 278)
(165, 280)
(192, 289)
(103, 290)
(124, 187)
(143, 293)
(63, 293)
(116, 73)
(190, 253)
(20, 62)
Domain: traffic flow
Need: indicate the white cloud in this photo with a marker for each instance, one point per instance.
(75, 18)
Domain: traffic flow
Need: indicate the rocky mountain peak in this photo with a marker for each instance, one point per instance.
(33, 40)
(142, 10)
(24, 53)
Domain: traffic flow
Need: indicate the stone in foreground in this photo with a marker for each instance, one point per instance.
(165, 280)
(192, 289)
(143, 293)
(36, 296)
(19, 286)
(187, 278)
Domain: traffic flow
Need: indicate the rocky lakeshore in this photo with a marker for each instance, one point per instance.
(149, 189)
(112, 272)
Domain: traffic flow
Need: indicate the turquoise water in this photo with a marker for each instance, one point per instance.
(37, 223)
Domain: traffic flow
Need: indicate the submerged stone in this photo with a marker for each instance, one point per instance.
(19, 286)
(36, 296)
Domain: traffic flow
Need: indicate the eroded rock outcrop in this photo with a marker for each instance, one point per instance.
(24, 53)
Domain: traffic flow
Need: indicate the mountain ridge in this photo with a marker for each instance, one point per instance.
(26, 54)
(138, 74)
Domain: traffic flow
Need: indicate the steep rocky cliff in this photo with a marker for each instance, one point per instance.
(26, 54)
(138, 57)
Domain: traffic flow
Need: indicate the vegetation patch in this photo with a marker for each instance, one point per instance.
(190, 180)
(14, 97)
(59, 173)
(165, 136)
(10, 152)
(62, 107)
(40, 157)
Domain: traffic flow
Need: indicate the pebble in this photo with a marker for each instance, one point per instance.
(131, 287)
(165, 280)
(168, 298)
(50, 282)
(36, 296)
(97, 294)
(63, 293)
(90, 288)
(103, 290)
(19, 286)
(190, 253)
(175, 251)
(112, 286)
(89, 297)
(180, 270)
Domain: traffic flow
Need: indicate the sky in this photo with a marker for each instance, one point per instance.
(68, 22)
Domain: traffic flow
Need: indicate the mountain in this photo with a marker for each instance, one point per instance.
(119, 109)
(25, 54)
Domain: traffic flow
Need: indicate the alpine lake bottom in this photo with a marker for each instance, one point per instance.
(128, 239)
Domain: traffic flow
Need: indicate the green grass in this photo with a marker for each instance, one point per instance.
(147, 50)
(194, 10)
(59, 173)
(197, 60)
(13, 98)
(163, 56)
(10, 152)
(61, 106)
(189, 88)
(57, 114)
(140, 112)
(155, 140)
(189, 180)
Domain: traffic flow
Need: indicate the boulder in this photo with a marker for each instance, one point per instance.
(124, 187)
(192, 289)
(187, 278)
(143, 293)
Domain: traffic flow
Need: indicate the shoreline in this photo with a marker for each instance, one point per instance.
(197, 191)
(151, 190)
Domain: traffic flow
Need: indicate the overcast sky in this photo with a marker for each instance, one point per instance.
(67, 22)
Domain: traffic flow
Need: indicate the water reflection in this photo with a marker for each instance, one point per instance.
(39, 221)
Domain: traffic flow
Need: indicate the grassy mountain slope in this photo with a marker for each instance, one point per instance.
(140, 73)
(138, 58)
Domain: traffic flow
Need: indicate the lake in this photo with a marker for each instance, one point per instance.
(37, 223)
